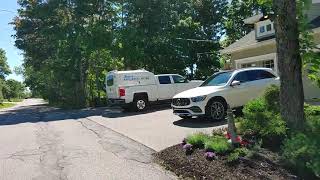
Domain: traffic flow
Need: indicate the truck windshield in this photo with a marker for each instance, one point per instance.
(217, 79)
(110, 80)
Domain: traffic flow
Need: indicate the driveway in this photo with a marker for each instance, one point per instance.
(39, 142)
(158, 128)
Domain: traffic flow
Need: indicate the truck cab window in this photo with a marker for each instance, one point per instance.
(178, 79)
(110, 80)
(164, 79)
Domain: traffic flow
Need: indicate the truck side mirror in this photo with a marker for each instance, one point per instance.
(235, 83)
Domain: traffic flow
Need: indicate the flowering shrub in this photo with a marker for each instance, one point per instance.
(210, 156)
(188, 148)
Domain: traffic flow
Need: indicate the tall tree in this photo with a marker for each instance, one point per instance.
(289, 63)
(4, 67)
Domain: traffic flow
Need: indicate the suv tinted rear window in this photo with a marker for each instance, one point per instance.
(110, 80)
(164, 79)
(259, 74)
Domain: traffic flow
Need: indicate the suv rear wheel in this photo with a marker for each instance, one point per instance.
(216, 109)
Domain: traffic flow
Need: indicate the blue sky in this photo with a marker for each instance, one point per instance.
(8, 10)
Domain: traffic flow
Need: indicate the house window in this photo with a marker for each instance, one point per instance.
(262, 29)
(247, 65)
(268, 64)
(269, 27)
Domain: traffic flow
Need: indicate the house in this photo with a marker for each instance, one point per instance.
(258, 48)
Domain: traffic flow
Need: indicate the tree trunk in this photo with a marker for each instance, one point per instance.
(289, 64)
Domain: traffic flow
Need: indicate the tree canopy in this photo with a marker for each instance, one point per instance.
(70, 45)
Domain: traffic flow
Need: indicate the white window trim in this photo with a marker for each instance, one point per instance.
(265, 57)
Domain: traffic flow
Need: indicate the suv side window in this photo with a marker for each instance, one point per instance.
(178, 79)
(259, 75)
(266, 75)
(164, 79)
(242, 77)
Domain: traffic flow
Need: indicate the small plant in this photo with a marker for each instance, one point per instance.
(197, 139)
(188, 148)
(236, 154)
(218, 144)
(210, 156)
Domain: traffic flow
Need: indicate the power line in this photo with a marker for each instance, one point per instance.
(5, 10)
(196, 40)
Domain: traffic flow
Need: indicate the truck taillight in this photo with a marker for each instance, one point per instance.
(122, 92)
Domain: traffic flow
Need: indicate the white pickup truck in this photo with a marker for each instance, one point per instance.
(138, 88)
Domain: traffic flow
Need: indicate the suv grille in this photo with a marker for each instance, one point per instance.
(181, 101)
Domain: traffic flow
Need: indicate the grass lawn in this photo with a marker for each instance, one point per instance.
(14, 100)
(6, 105)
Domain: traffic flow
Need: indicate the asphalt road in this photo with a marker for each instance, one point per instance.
(39, 142)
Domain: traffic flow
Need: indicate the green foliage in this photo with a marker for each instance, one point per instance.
(310, 110)
(271, 97)
(6, 105)
(13, 89)
(262, 118)
(218, 144)
(236, 154)
(301, 151)
(4, 67)
(197, 139)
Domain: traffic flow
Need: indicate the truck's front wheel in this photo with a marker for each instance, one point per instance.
(140, 104)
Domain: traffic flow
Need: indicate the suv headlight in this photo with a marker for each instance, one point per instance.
(198, 98)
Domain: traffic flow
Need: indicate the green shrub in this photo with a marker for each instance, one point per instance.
(301, 151)
(261, 121)
(262, 117)
(236, 154)
(197, 139)
(272, 98)
(218, 144)
(311, 110)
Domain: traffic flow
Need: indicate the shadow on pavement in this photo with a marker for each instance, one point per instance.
(118, 113)
(198, 123)
(45, 113)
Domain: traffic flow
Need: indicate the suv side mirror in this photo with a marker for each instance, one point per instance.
(235, 83)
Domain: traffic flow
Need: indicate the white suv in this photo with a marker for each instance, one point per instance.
(234, 88)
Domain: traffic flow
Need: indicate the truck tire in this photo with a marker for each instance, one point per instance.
(140, 103)
(216, 109)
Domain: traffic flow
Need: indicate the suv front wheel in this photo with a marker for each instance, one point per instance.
(216, 109)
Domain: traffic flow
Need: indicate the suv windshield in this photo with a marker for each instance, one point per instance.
(218, 79)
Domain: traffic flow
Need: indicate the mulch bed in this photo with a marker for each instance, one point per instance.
(195, 166)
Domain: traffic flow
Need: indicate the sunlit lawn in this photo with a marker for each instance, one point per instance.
(6, 105)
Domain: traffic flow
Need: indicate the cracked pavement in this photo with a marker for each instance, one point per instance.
(40, 142)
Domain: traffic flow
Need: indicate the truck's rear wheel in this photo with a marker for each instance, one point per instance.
(140, 104)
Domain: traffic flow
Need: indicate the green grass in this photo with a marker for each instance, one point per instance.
(197, 139)
(218, 144)
(6, 105)
(14, 100)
